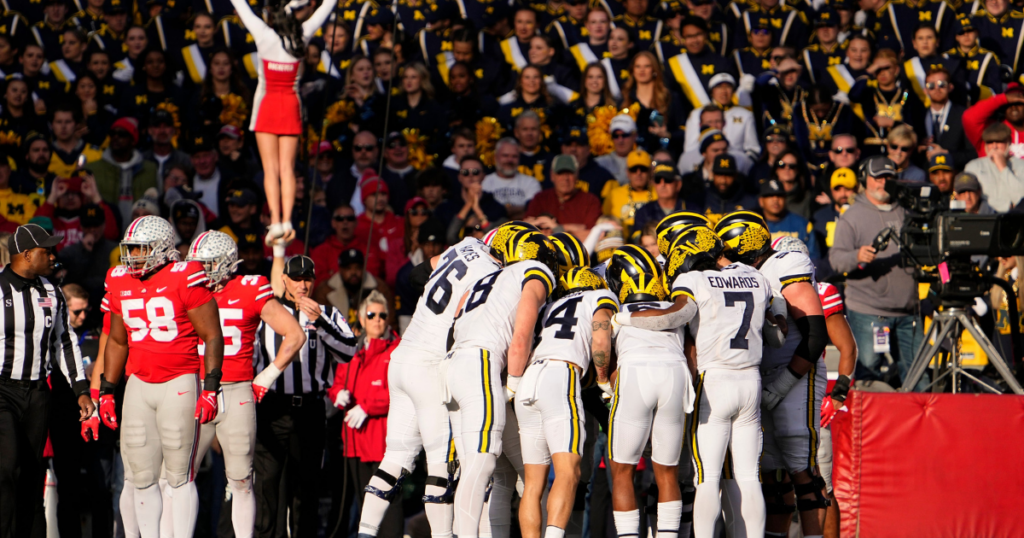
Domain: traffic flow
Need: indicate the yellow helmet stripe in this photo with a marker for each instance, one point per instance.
(537, 274)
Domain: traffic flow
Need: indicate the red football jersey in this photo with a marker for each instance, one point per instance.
(240, 303)
(162, 342)
(831, 301)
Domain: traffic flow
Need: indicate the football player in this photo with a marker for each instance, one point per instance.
(653, 392)
(506, 303)
(160, 309)
(793, 376)
(548, 405)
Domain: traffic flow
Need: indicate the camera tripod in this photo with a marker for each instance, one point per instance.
(949, 323)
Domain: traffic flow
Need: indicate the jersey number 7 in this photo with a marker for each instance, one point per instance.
(734, 298)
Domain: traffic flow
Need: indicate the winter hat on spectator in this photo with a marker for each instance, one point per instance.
(709, 137)
(372, 184)
(146, 204)
(130, 125)
(622, 122)
(966, 181)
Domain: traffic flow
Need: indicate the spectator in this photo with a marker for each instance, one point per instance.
(967, 189)
(398, 173)
(982, 114)
(696, 180)
(242, 215)
(209, 186)
(666, 185)
(162, 152)
(575, 210)
(360, 389)
(792, 173)
(416, 213)
(365, 155)
(649, 238)
(463, 143)
(88, 260)
(623, 132)
(325, 255)
(594, 178)
(844, 186)
(251, 254)
(14, 207)
(737, 123)
(432, 186)
(233, 159)
(122, 176)
(726, 193)
(624, 201)
(877, 94)
(531, 156)
(943, 122)
(342, 289)
(881, 296)
(67, 141)
(64, 208)
(310, 221)
(781, 221)
(475, 204)
(188, 222)
(431, 241)
(901, 144)
(35, 177)
(322, 160)
(940, 173)
(510, 187)
(661, 117)
(844, 153)
(387, 229)
(1001, 174)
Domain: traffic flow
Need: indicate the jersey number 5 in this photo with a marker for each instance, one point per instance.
(232, 334)
(158, 323)
(734, 298)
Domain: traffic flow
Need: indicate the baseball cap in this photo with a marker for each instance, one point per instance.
(576, 134)
(185, 209)
(299, 267)
(241, 197)
(759, 21)
(963, 24)
(161, 117)
(966, 181)
(349, 257)
(940, 161)
(709, 137)
(776, 130)
(721, 78)
(638, 157)
(826, 17)
(383, 16)
(91, 216)
(772, 187)
(564, 163)
(843, 177)
(230, 131)
(45, 222)
(724, 165)
(879, 166)
(431, 231)
(665, 171)
(30, 236)
(622, 122)
(395, 136)
(250, 240)
(114, 7)
(413, 202)
(324, 148)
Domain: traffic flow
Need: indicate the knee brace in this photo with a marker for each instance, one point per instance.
(449, 485)
(813, 487)
(394, 483)
(773, 498)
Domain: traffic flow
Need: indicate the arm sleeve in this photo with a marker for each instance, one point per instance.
(334, 332)
(316, 20)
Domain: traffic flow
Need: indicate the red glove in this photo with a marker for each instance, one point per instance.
(108, 413)
(206, 406)
(259, 392)
(828, 411)
(91, 424)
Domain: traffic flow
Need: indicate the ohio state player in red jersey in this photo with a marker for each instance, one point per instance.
(160, 309)
(243, 302)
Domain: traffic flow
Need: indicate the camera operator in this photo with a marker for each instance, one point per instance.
(881, 296)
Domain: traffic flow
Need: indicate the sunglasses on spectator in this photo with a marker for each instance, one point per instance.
(79, 312)
(619, 135)
(371, 315)
(842, 150)
(471, 171)
(367, 147)
(785, 165)
(418, 212)
(942, 84)
(344, 218)
(638, 169)
(904, 149)
(760, 31)
(662, 179)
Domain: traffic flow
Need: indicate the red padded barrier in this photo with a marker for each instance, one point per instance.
(935, 465)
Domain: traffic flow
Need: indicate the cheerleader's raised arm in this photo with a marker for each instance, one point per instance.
(277, 108)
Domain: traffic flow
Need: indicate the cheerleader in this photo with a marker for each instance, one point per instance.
(277, 112)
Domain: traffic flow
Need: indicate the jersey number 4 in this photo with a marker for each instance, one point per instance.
(735, 298)
(158, 322)
(565, 317)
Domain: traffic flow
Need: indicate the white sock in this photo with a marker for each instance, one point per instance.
(186, 509)
(497, 514)
(126, 503)
(627, 523)
(469, 499)
(439, 516)
(554, 532)
(167, 514)
(374, 507)
(243, 507)
(669, 514)
(148, 505)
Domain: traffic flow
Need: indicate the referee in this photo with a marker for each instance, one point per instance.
(35, 333)
(291, 419)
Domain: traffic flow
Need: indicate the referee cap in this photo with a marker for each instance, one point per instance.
(299, 267)
(30, 236)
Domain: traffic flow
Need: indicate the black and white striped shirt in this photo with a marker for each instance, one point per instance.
(310, 372)
(35, 332)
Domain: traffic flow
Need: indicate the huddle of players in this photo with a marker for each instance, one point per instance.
(529, 307)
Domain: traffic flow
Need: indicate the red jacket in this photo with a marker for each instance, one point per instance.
(325, 256)
(389, 238)
(70, 230)
(366, 379)
(976, 118)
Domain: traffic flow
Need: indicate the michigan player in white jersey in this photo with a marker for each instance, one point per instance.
(495, 324)
(417, 418)
(793, 376)
(727, 414)
(653, 392)
(548, 404)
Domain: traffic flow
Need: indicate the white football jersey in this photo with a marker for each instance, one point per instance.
(781, 270)
(459, 268)
(566, 326)
(635, 345)
(489, 314)
(733, 302)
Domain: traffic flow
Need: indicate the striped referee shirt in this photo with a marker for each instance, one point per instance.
(310, 372)
(35, 332)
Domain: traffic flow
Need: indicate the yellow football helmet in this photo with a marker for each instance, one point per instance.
(634, 275)
(695, 249)
(531, 245)
(569, 251)
(498, 238)
(745, 235)
(580, 279)
(670, 227)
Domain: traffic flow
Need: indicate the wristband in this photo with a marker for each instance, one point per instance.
(212, 381)
(106, 387)
(841, 388)
(623, 318)
(94, 394)
(279, 250)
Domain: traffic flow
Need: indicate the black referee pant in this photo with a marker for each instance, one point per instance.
(24, 418)
(290, 430)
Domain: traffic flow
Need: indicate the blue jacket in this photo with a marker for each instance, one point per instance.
(794, 225)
